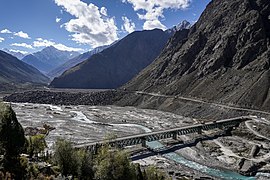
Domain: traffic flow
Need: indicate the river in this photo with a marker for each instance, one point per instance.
(80, 127)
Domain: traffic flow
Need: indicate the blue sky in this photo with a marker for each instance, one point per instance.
(31, 25)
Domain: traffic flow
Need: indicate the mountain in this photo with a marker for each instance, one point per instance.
(74, 61)
(18, 55)
(182, 25)
(14, 72)
(49, 58)
(116, 65)
(224, 58)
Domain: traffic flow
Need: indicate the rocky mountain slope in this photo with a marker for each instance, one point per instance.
(74, 61)
(116, 65)
(18, 54)
(49, 58)
(14, 72)
(224, 58)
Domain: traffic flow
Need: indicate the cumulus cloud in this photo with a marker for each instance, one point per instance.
(39, 42)
(154, 10)
(91, 25)
(22, 35)
(128, 25)
(18, 51)
(103, 11)
(5, 31)
(2, 39)
(57, 19)
(23, 45)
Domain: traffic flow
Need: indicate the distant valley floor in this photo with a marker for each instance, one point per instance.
(185, 106)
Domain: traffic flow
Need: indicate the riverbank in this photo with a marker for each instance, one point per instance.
(84, 124)
(187, 107)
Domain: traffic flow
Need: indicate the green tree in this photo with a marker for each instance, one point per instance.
(67, 158)
(113, 164)
(12, 141)
(152, 173)
(86, 165)
(36, 144)
(139, 174)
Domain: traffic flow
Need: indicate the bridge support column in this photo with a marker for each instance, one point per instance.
(228, 131)
(220, 126)
(174, 136)
(143, 143)
(199, 131)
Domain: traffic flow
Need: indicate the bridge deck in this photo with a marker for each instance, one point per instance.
(186, 130)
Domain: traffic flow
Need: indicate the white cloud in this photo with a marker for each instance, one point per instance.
(91, 25)
(18, 51)
(103, 11)
(23, 45)
(1, 39)
(22, 35)
(5, 31)
(154, 10)
(57, 19)
(128, 25)
(39, 42)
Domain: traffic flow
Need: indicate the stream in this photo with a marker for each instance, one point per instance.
(222, 174)
(84, 124)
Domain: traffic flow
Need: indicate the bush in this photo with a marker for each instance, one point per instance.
(113, 165)
(67, 158)
(36, 144)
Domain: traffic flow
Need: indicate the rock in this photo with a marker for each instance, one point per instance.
(250, 168)
(254, 151)
(240, 163)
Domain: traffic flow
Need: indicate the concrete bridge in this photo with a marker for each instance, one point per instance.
(165, 134)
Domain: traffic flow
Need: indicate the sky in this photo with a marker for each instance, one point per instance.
(28, 26)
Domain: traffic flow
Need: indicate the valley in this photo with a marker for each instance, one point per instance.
(105, 96)
(83, 124)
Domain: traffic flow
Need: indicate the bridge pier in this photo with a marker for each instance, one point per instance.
(174, 136)
(143, 143)
(199, 131)
(228, 131)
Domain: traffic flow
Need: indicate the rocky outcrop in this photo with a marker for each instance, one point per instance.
(223, 58)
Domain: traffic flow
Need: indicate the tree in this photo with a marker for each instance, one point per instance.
(12, 141)
(67, 158)
(86, 171)
(152, 173)
(139, 174)
(36, 144)
(113, 164)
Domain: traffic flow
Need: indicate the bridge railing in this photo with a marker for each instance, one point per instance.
(164, 134)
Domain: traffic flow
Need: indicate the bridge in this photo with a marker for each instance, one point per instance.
(165, 134)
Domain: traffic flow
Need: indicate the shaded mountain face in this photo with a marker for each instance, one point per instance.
(14, 71)
(224, 58)
(74, 61)
(49, 58)
(16, 54)
(116, 65)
